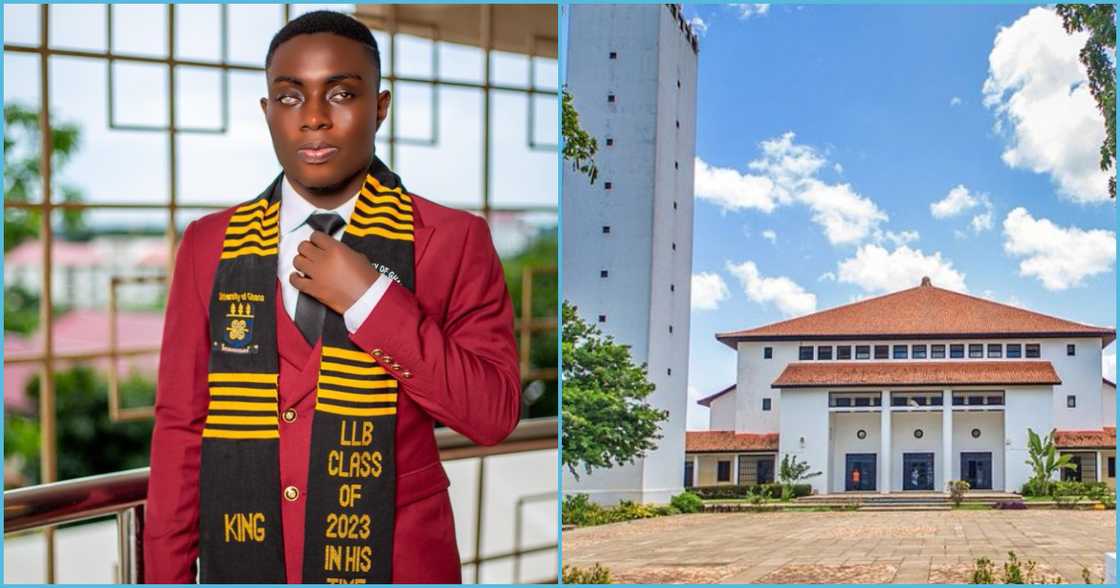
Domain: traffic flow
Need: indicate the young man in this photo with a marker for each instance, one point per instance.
(313, 336)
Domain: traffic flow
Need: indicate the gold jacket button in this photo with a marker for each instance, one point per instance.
(291, 493)
(406, 374)
(396, 367)
(376, 353)
(387, 358)
(289, 415)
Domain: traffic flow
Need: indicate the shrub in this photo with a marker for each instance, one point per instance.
(577, 509)
(1035, 488)
(1014, 572)
(984, 572)
(957, 490)
(687, 502)
(801, 490)
(596, 574)
(1010, 505)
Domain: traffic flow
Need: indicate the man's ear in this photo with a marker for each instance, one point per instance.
(264, 105)
(383, 100)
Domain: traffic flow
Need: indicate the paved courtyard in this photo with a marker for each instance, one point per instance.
(843, 547)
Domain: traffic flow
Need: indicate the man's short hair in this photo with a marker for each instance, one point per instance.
(326, 21)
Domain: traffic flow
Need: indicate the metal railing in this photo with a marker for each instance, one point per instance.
(124, 494)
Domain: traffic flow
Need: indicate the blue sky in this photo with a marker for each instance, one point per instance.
(846, 151)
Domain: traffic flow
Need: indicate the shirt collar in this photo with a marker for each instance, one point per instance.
(294, 208)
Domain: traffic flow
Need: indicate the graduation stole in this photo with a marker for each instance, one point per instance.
(351, 486)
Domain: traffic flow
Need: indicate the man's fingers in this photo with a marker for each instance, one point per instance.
(303, 264)
(309, 249)
(322, 240)
(301, 283)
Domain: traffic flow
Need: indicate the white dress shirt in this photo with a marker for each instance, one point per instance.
(294, 211)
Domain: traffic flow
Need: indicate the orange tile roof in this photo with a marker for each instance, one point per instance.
(707, 400)
(921, 312)
(713, 441)
(1104, 438)
(916, 373)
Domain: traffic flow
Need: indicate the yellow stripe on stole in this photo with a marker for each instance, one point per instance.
(381, 188)
(381, 221)
(228, 434)
(247, 406)
(353, 397)
(231, 419)
(380, 232)
(347, 411)
(392, 198)
(349, 369)
(254, 205)
(252, 238)
(349, 383)
(364, 208)
(250, 250)
(241, 230)
(254, 377)
(237, 391)
(352, 355)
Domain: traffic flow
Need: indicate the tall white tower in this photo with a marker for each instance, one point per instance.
(627, 248)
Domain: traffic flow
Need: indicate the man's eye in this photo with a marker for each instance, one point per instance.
(287, 100)
(346, 95)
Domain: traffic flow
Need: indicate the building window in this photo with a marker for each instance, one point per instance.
(918, 352)
(610, 97)
(723, 471)
(603, 273)
(602, 318)
(1112, 467)
(765, 404)
(606, 229)
(975, 350)
(610, 141)
(1033, 350)
(767, 353)
(824, 352)
(995, 350)
(614, 54)
(672, 288)
(937, 351)
(678, 124)
(669, 372)
(863, 352)
(676, 165)
(882, 351)
(956, 351)
(918, 433)
(674, 205)
(900, 352)
(607, 185)
(678, 83)
(1071, 350)
(976, 433)
(843, 352)
(1014, 350)
(805, 352)
(670, 329)
(861, 434)
(1071, 401)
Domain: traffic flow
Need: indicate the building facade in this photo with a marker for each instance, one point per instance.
(908, 391)
(627, 237)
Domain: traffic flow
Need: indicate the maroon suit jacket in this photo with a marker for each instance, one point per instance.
(454, 336)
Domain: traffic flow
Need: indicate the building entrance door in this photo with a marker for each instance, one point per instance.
(976, 469)
(859, 471)
(917, 471)
(765, 471)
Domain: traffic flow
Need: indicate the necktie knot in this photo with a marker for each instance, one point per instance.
(327, 222)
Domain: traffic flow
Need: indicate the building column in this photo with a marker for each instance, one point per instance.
(885, 444)
(946, 439)
(1100, 471)
(695, 470)
(735, 469)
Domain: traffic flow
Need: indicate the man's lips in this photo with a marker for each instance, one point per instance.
(317, 154)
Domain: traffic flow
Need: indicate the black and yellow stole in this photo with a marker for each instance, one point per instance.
(351, 484)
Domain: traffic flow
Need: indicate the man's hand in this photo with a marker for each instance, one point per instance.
(333, 273)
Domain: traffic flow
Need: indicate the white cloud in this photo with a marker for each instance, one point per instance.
(829, 276)
(900, 238)
(1059, 257)
(1108, 365)
(1040, 94)
(731, 190)
(698, 25)
(874, 269)
(960, 200)
(788, 297)
(747, 11)
(836, 167)
(770, 236)
(786, 174)
(708, 291)
(955, 101)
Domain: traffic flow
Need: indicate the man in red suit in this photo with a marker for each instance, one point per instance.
(448, 344)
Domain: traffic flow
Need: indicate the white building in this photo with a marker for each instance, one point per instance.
(627, 238)
(908, 391)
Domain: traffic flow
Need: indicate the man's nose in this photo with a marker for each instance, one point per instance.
(316, 116)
